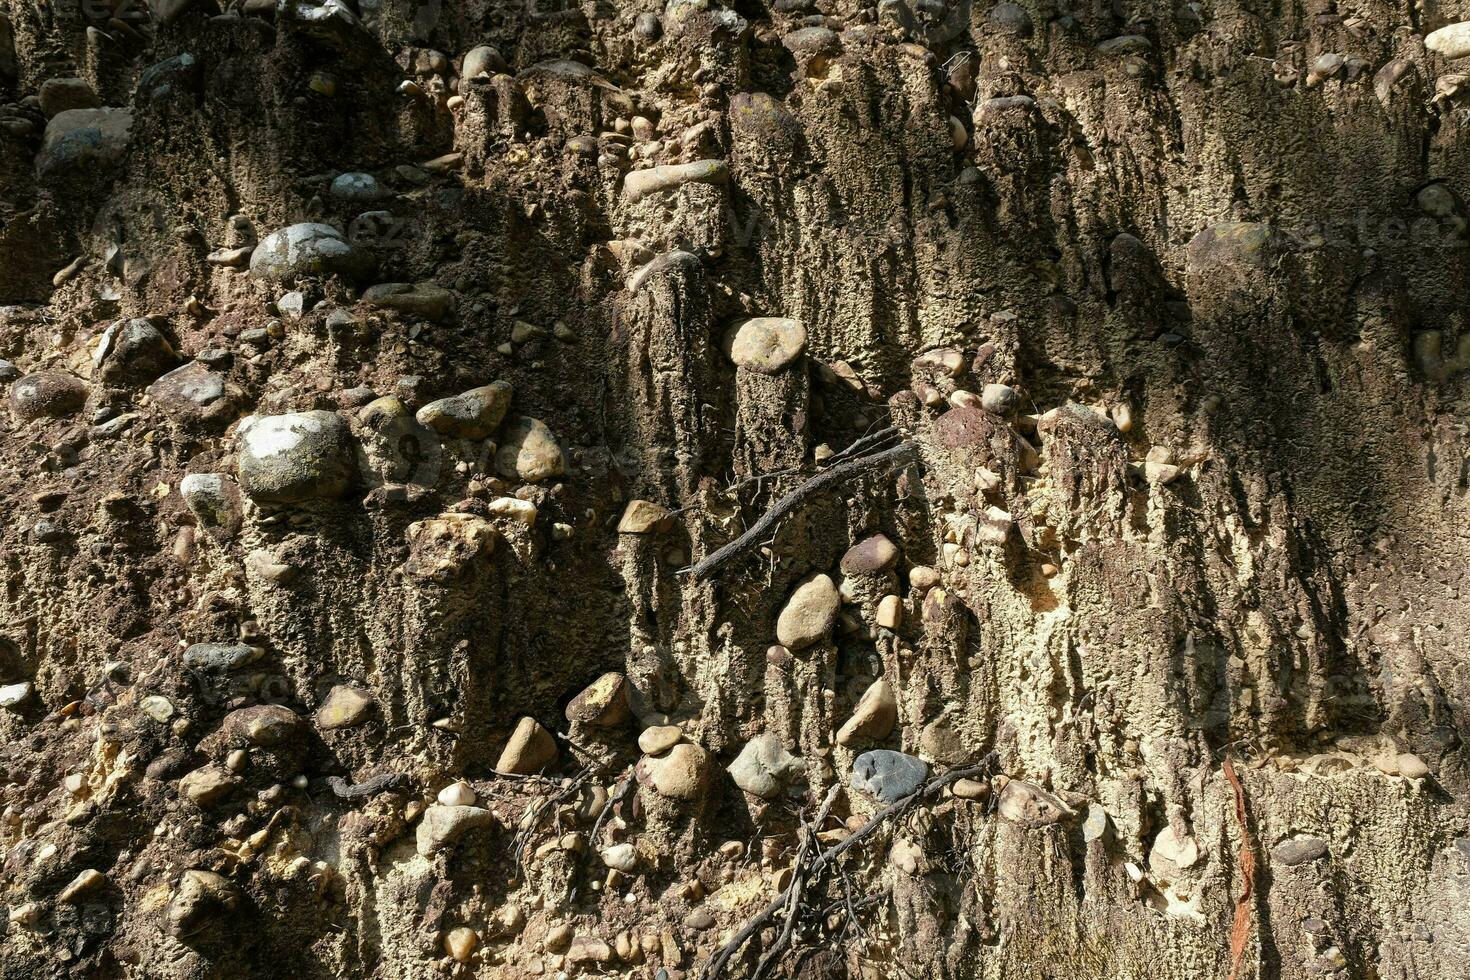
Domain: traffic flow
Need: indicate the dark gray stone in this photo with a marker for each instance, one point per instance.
(220, 656)
(1298, 850)
(132, 352)
(888, 775)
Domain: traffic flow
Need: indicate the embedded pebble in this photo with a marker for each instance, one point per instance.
(84, 140)
(208, 785)
(1299, 850)
(457, 793)
(309, 249)
(422, 299)
(642, 183)
(460, 943)
(764, 767)
(1095, 824)
(874, 716)
(1000, 399)
(201, 897)
(522, 511)
(473, 414)
(211, 498)
(47, 394)
(529, 451)
(88, 881)
(869, 556)
(620, 857)
(482, 60)
(221, 657)
(644, 517)
(1451, 41)
(682, 773)
(60, 94)
(604, 702)
(157, 707)
(344, 707)
(357, 187)
(659, 739)
(442, 826)
(765, 344)
(970, 789)
(809, 614)
(529, 749)
(13, 695)
(1029, 805)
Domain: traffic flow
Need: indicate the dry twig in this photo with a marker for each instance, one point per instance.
(828, 477)
(372, 786)
(1241, 932)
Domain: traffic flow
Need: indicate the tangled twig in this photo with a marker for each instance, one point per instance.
(531, 821)
(809, 869)
(619, 793)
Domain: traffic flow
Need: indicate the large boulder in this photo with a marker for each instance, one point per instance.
(309, 249)
(287, 459)
(132, 352)
(195, 396)
(47, 394)
(80, 139)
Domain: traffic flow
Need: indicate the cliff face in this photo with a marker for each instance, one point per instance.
(380, 375)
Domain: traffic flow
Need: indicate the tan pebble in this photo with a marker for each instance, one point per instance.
(460, 943)
(87, 881)
(458, 793)
(957, 133)
(659, 739)
(874, 716)
(923, 577)
(529, 749)
(970, 789)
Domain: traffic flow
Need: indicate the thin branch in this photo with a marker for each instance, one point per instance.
(823, 480)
